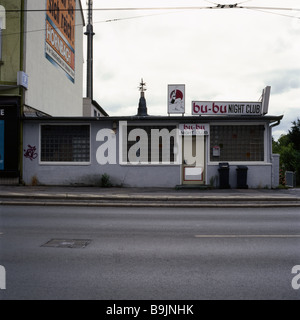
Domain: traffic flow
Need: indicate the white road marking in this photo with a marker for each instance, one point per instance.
(247, 236)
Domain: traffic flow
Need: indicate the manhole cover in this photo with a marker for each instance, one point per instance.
(67, 243)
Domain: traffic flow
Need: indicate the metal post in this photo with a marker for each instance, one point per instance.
(90, 34)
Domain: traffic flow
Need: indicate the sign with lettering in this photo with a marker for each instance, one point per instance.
(22, 79)
(194, 129)
(227, 108)
(60, 35)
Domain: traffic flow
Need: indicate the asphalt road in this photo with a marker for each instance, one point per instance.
(138, 254)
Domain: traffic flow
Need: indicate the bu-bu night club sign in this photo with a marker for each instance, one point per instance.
(227, 108)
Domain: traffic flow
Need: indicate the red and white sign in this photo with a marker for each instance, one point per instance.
(176, 98)
(194, 129)
(227, 108)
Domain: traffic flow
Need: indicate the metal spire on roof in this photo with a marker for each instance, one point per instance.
(142, 109)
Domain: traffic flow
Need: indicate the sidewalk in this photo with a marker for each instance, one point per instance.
(146, 197)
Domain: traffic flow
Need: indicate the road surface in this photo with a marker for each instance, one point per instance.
(149, 253)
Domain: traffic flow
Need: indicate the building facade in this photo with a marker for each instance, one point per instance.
(92, 109)
(145, 151)
(54, 56)
(41, 69)
(222, 145)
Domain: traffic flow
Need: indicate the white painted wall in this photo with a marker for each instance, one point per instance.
(49, 89)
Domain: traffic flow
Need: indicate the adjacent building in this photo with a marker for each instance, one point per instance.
(41, 69)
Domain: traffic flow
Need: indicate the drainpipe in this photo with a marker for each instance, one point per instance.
(22, 90)
(277, 123)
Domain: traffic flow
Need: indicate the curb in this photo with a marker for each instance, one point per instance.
(138, 200)
(75, 197)
(150, 205)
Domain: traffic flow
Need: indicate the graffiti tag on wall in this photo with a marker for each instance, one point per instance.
(30, 153)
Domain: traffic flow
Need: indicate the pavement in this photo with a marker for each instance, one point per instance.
(147, 197)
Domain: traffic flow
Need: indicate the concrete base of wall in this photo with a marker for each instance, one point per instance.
(9, 181)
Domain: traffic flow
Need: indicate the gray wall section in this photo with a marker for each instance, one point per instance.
(263, 175)
(121, 175)
(258, 176)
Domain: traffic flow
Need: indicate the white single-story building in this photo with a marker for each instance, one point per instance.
(222, 145)
(151, 151)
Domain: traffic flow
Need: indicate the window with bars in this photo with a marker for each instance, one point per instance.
(65, 143)
(237, 142)
(151, 145)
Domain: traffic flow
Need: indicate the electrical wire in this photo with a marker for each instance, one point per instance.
(95, 22)
(270, 8)
(258, 9)
(274, 13)
(110, 9)
(211, 2)
(244, 1)
(136, 17)
(217, 6)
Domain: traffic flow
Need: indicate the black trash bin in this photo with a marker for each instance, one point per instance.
(241, 174)
(224, 175)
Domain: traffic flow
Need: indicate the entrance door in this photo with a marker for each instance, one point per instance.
(193, 159)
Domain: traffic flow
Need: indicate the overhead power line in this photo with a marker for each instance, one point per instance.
(175, 10)
(270, 8)
(275, 13)
(217, 6)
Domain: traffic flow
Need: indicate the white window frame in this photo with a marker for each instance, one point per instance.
(266, 143)
(177, 154)
(63, 163)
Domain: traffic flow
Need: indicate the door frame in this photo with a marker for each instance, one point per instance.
(184, 166)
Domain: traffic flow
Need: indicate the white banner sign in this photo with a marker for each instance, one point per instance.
(194, 129)
(227, 108)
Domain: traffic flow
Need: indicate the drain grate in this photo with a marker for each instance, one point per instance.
(67, 243)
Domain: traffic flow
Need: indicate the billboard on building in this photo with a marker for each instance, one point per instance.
(176, 98)
(60, 35)
(226, 108)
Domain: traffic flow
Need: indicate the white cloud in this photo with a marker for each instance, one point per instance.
(224, 54)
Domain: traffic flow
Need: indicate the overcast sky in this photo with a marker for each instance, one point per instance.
(220, 54)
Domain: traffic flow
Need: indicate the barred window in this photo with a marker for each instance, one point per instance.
(65, 143)
(237, 142)
(155, 146)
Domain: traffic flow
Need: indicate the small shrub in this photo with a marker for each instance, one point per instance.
(105, 181)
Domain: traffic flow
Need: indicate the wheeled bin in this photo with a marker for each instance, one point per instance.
(224, 175)
(241, 175)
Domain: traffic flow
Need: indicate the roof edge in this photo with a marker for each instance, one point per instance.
(192, 119)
